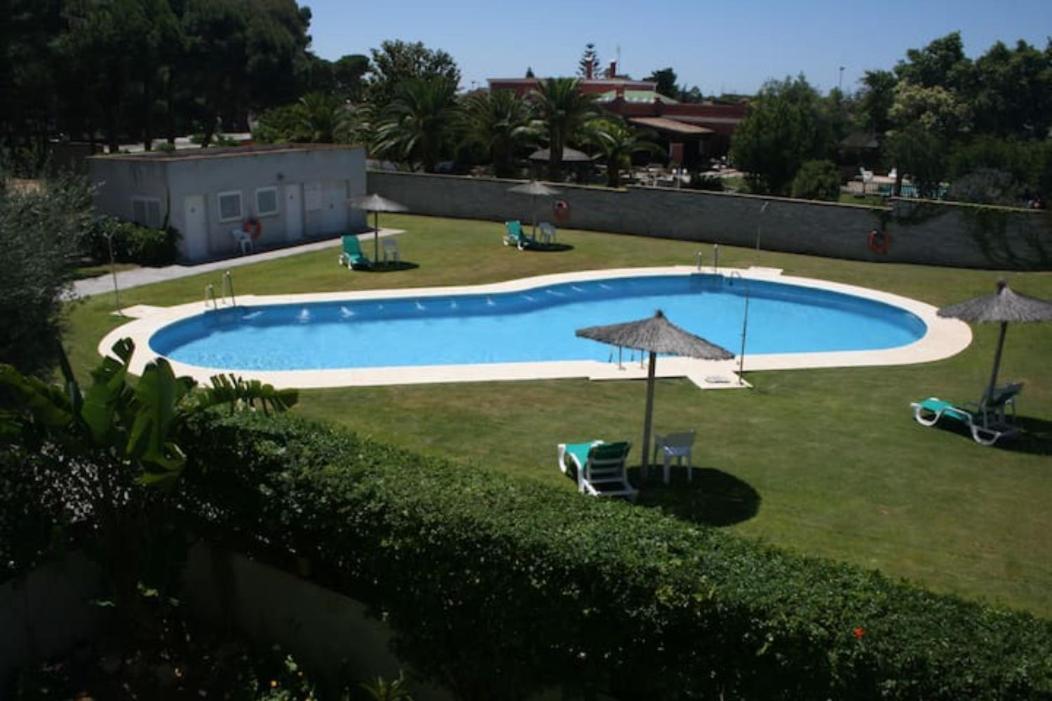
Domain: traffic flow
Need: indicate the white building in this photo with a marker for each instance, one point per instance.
(286, 193)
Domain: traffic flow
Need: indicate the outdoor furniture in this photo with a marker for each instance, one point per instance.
(514, 235)
(674, 446)
(391, 254)
(243, 240)
(600, 467)
(988, 421)
(352, 255)
(547, 232)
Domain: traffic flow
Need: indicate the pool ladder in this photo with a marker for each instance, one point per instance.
(699, 258)
(226, 291)
(745, 321)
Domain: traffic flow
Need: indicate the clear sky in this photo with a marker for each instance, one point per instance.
(724, 46)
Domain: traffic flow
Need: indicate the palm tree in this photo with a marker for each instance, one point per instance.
(498, 122)
(418, 124)
(322, 118)
(563, 111)
(619, 143)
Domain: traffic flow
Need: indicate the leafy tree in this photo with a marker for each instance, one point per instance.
(1014, 91)
(499, 122)
(666, 82)
(876, 99)
(349, 73)
(987, 186)
(817, 180)
(280, 125)
(562, 110)
(934, 108)
(588, 66)
(398, 61)
(1017, 158)
(618, 143)
(417, 126)
(783, 129)
(39, 234)
(941, 63)
(117, 443)
(920, 153)
(693, 95)
(323, 119)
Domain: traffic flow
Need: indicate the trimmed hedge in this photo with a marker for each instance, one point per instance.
(132, 243)
(500, 587)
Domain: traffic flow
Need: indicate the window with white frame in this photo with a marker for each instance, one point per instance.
(230, 206)
(147, 211)
(266, 201)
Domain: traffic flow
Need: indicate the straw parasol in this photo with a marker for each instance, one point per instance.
(534, 189)
(570, 155)
(654, 335)
(375, 203)
(1002, 307)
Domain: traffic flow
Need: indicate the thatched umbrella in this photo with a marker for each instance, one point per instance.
(654, 335)
(1002, 307)
(375, 203)
(570, 155)
(534, 189)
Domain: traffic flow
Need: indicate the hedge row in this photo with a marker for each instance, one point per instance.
(500, 587)
(132, 243)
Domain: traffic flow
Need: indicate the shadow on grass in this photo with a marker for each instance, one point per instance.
(549, 247)
(388, 267)
(712, 497)
(1035, 436)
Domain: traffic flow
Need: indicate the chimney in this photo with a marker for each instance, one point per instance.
(611, 72)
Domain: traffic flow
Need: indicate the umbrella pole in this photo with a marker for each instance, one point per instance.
(376, 236)
(534, 218)
(997, 362)
(648, 416)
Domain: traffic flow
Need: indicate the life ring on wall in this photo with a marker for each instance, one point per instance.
(562, 211)
(879, 241)
(253, 227)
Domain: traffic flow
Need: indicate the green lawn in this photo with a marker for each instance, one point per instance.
(827, 462)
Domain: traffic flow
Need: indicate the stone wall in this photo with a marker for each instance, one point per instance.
(921, 232)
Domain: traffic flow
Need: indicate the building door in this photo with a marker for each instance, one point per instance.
(195, 227)
(293, 212)
(334, 206)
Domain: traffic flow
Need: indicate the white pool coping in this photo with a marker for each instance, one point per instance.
(944, 338)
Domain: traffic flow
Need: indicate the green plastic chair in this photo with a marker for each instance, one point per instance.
(601, 467)
(515, 236)
(352, 255)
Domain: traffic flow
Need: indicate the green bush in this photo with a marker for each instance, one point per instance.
(817, 180)
(132, 243)
(499, 587)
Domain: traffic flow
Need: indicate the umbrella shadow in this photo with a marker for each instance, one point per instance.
(712, 497)
(550, 247)
(390, 267)
(1035, 435)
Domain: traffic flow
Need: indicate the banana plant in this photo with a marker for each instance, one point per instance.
(133, 424)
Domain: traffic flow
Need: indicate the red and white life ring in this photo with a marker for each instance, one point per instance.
(879, 241)
(562, 211)
(253, 227)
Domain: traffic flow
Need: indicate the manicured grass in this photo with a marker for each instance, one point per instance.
(89, 271)
(869, 200)
(827, 462)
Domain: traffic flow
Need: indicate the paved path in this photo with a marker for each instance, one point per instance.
(147, 276)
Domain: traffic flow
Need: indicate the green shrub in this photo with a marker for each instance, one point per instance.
(500, 587)
(817, 180)
(132, 243)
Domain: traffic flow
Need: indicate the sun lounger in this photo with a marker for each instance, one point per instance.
(515, 236)
(352, 255)
(599, 466)
(989, 421)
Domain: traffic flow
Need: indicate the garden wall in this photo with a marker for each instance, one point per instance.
(921, 232)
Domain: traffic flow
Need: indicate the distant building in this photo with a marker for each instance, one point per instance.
(692, 130)
(294, 192)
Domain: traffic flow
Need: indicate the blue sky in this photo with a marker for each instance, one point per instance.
(731, 46)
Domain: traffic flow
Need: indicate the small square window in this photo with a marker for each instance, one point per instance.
(266, 201)
(229, 206)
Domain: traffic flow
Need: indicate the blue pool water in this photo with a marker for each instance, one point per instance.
(535, 325)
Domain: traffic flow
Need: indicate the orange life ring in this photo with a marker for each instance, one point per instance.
(562, 211)
(879, 241)
(253, 227)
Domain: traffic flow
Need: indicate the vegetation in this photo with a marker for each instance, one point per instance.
(40, 234)
(563, 110)
(924, 504)
(618, 143)
(490, 594)
(817, 180)
(499, 123)
(129, 242)
(417, 126)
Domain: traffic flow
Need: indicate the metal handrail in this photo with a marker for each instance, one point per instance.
(699, 258)
(210, 294)
(745, 325)
(228, 284)
(716, 258)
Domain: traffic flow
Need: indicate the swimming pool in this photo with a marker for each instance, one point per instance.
(531, 325)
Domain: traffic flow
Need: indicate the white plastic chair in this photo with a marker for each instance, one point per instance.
(547, 231)
(674, 446)
(243, 240)
(391, 251)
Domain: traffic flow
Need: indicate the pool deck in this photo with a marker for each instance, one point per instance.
(944, 338)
